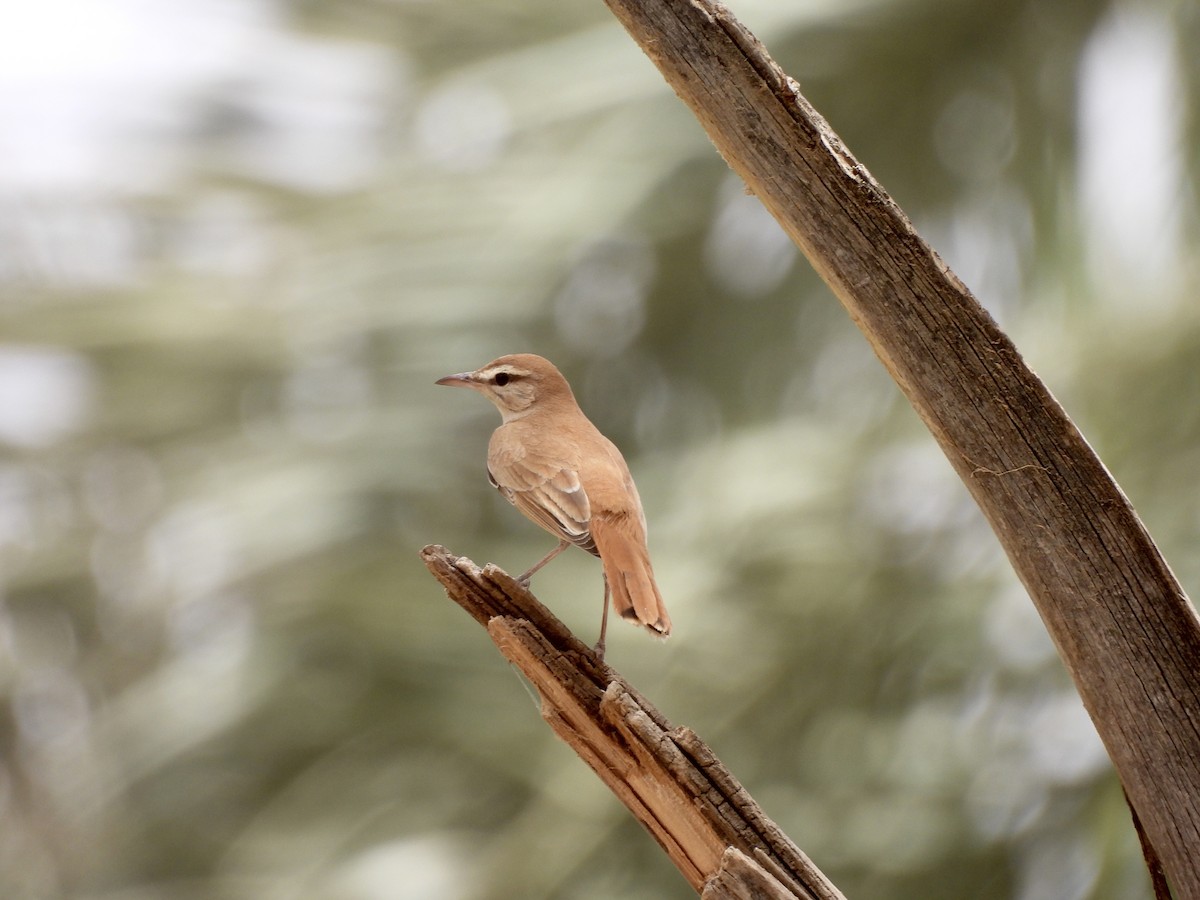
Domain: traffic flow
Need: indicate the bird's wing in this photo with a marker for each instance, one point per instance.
(547, 492)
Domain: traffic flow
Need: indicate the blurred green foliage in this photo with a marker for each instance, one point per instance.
(239, 241)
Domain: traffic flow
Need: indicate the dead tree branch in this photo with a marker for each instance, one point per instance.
(1123, 625)
(670, 780)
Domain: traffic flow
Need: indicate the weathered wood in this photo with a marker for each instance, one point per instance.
(1122, 624)
(667, 777)
(741, 878)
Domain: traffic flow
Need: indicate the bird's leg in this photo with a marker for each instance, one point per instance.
(603, 623)
(524, 579)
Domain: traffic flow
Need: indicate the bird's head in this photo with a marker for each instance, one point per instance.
(516, 384)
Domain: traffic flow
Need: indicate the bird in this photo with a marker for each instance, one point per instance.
(554, 465)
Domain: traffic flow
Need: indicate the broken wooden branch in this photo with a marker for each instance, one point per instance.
(713, 831)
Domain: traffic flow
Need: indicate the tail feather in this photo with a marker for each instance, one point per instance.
(621, 542)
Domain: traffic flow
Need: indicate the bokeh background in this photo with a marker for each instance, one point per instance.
(239, 239)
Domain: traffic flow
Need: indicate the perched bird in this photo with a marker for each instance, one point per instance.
(556, 467)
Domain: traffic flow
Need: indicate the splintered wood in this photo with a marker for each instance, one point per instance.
(710, 827)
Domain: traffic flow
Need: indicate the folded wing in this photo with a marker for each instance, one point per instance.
(548, 494)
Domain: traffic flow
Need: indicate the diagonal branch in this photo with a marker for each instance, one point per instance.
(1122, 624)
(717, 836)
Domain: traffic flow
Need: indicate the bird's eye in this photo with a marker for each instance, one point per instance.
(501, 378)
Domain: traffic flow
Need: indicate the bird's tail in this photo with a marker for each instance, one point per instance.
(621, 543)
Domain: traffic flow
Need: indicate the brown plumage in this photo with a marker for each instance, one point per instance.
(556, 467)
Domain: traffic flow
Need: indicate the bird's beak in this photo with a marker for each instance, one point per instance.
(462, 379)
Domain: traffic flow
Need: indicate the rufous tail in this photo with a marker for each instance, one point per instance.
(621, 542)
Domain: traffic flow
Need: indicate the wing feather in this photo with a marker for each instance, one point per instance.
(548, 493)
